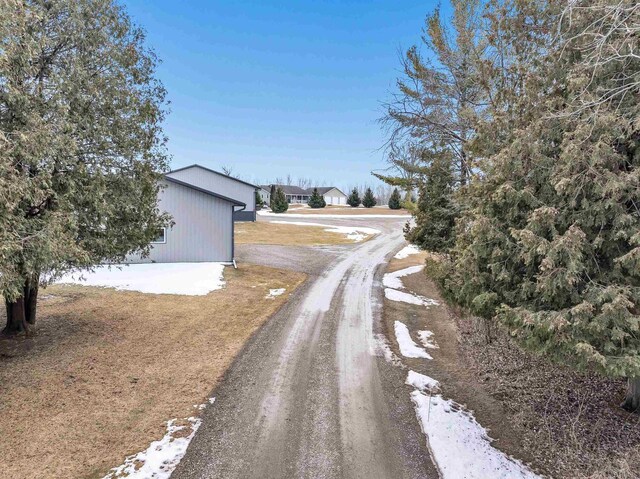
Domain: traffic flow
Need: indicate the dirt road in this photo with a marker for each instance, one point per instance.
(310, 396)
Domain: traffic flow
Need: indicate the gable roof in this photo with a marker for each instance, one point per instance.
(195, 165)
(207, 192)
(324, 189)
(289, 189)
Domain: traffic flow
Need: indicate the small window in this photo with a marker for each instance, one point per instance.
(161, 237)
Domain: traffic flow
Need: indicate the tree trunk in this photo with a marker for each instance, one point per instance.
(632, 401)
(16, 319)
(31, 299)
(22, 312)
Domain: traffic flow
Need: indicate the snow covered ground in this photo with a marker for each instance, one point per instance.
(392, 280)
(192, 279)
(354, 233)
(401, 296)
(161, 457)
(422, 382)
(408, 347)
(460, 446)
(303, 215)
(393, 285)
(407, 251)
(382, 348)
(273, 293)
(426, 338)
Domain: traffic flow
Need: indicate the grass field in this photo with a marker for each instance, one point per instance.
(106, 369)
(264, 232)
(346, 210)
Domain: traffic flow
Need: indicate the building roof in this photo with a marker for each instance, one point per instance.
(207, 192)
(289, 189)
(213, 171)
(323, 189)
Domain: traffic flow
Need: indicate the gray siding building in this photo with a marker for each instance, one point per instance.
(221, 184)
(202, 229)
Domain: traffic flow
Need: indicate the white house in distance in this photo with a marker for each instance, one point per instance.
(295, 194)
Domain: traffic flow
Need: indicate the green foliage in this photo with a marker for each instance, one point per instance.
(81, 145)
(272, 195)
(317, 200)
(395, 200)
(436, 211)
(439, 93)
(354, 198)
(538, 108)
(550, 244)
(368, 201)
(279, 202)
(259, 202)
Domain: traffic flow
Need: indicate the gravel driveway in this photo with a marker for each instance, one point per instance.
(309, 396)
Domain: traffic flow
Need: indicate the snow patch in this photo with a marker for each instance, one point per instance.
(161, 457)
(191, 279)
(302, 215)
(422, 382)
(354, 233)
(408, 347)
(382, 348)
(460, 446)
(426, 338)
(407, 251)
(275, 292)
(401, 296)
(392, 280)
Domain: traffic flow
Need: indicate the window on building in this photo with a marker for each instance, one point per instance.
(161, 237)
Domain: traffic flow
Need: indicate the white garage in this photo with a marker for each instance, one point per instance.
(332, 195)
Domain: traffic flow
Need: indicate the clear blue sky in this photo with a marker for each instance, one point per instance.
(275, 88)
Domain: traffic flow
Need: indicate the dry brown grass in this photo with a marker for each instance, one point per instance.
(108, 368)
(345, 210)
(263, 232)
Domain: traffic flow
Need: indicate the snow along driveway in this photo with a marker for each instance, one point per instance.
(460, 447)
(309, 396)
(354, 233)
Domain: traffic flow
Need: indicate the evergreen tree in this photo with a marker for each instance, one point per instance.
(259, 201)
(354, 198)
(441, 94)
(279, 202)
(368, 201)
(395, 200)
(551, 245)
(272, 195)
(81, 145)
(317, 200)
(436, 211)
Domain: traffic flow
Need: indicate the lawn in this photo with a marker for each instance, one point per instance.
(106, 369)
(264, 232)
(347, 210)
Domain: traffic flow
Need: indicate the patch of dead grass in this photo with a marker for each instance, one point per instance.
(106, 369)
(347, 210)
(264, 232)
